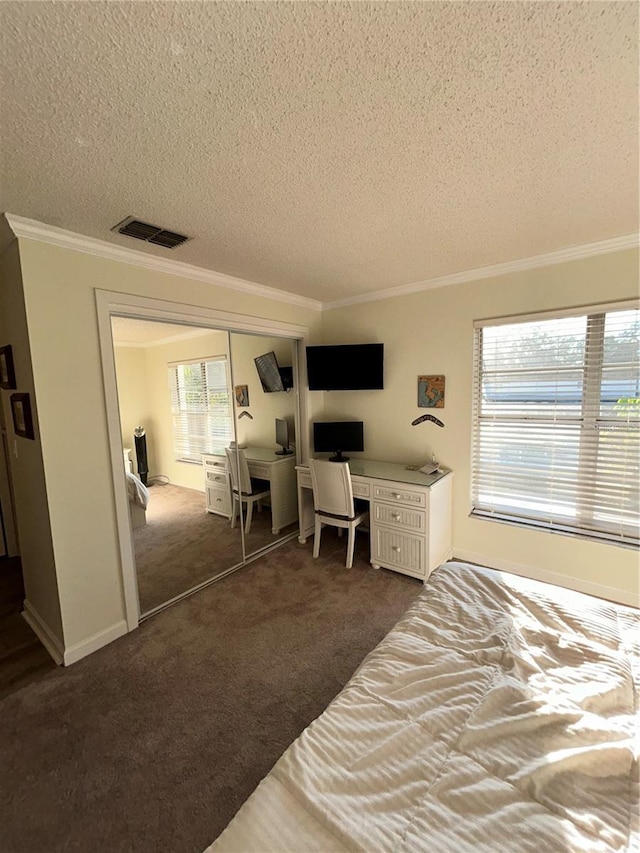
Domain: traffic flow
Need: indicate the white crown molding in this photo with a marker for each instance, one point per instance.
(29, 228)
(32, 230)
(571, 253)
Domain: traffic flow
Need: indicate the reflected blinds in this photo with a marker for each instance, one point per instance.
(200, 408)
(556, 421)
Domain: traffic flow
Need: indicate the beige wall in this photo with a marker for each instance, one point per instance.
(133, 396)
(263, 407)
(432, 333)
(25, 459)
(59, 289)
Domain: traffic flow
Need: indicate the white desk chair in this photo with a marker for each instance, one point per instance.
(333, 502)
(247, 490)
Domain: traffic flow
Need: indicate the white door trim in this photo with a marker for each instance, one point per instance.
(110, 303)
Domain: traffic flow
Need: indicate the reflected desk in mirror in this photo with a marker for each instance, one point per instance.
(264, 464)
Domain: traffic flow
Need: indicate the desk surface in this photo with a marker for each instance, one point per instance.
(258, 454)
(396, 471)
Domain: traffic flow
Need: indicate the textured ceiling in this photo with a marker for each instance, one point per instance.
(326, 149)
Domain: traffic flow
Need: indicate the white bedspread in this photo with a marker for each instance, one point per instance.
(498, 715)
(136, 490)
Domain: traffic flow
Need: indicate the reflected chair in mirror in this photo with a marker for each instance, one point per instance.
(247, 489)
(333, 503)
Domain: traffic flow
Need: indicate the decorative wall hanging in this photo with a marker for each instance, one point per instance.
(431, 392)
(21, 412)
(242, 395)
(7, 370)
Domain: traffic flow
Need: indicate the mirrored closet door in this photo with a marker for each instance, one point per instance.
(208, 414)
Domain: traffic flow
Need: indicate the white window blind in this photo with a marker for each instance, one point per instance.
(200, 408)
(556, 423)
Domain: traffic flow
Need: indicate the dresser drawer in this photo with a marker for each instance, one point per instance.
(210, 462)
(361, 490)
(304, 478)
(218, 500)
(216, 477)
(400, 494)
(401, 551)
(400, 516)
(257, 469)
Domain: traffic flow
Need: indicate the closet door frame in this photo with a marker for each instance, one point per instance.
(111, 303)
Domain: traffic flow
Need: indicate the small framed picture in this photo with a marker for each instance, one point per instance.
(7, 370)
(21, 413)
(242, 396)
(431, 392)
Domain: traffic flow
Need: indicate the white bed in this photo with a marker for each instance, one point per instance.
(498, 715)
(138, 495)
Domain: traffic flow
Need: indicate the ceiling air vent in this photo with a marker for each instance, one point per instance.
(132, 227)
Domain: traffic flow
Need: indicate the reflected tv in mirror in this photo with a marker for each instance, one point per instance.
(283, 437)
(272, 376)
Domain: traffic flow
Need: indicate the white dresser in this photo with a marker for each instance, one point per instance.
(409, 518)
(217, 485)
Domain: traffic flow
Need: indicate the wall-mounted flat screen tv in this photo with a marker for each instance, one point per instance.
(345, 367)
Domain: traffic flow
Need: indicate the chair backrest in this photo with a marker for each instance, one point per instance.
(237, 458)
(332, 489)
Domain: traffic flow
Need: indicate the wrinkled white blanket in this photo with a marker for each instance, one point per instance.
(136, 490)
(498, 715)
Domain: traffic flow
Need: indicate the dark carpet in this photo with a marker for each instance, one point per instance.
(155, 741)
(183, 545)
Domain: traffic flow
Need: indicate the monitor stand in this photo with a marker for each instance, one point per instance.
(284, 452)
(338, 457)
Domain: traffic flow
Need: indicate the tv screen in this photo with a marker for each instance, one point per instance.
(272, 376)
(282, 437)
(269, 372)
(345, 367)
(336, 436)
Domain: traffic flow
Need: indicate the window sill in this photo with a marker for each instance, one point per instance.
(600, 538)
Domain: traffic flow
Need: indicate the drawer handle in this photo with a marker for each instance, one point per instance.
(395, 548)
(395, 516)
(396, 495)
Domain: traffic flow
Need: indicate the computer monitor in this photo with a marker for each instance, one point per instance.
(337, 436)
(282, 437)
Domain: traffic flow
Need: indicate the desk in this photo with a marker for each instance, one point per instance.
(265, 464)
(409, 519)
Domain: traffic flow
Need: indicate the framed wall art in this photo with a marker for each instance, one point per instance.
(431, 392)
(242, 395)
(21, 413)
(7, 370)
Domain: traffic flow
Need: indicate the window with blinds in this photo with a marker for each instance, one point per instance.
(556, 422)
(200, 408)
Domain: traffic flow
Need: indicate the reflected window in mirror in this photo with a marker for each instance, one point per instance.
(201, 408)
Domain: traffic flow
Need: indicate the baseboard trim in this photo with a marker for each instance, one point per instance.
(610, 593)
(92, 644)
(42, 631)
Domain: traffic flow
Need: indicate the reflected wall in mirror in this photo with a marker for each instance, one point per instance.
(256, 437)
(175, 381)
